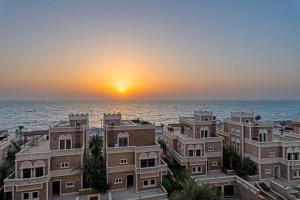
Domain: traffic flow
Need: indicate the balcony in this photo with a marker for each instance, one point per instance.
(67, 152)
(184, 159)
(162, 167)
(11, 181)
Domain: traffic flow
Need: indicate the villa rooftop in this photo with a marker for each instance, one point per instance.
(37, 147)
(135, 122)
(130, 194)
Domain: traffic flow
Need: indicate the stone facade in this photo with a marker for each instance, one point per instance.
(133, 158)
(194, 144)
(276, 155)
(49, 166)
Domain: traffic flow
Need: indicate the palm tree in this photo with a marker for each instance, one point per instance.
(207, 192)
(96, 146)
(16, 147)
(257, 117)
(6, 168)
(163, 145)
(189, 190)
(20, 128)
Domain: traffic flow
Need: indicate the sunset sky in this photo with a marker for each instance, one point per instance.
(150, 49)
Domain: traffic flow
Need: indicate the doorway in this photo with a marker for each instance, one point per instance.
(55, 188)
(129, 181)
(276, 172)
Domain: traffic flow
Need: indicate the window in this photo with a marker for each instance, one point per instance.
(289, 156)
(271, 154)
(123, 142)
(237, 148)
(206, 133)
(147, 163)
(296, 156)
(149, 183)
(65, 165)
(214, 164)
(118, 181)
(65, 144)
(77, 124)
(25, 196)
(123, 161)
(268, 171)
(39, 172)
(194, 169)
(191, 153)
(198, 152)
(26, 173)
(296, 174)
(68, 144)
(35, 195)
(112, 123)
(197, 169)
(145, 182)
(152, 182)
(210, 149)
(61, 144)
(69, 184)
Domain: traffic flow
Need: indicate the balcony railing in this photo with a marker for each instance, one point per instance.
(9, 182)
(159, 168)
(184, 159)
(67, 152)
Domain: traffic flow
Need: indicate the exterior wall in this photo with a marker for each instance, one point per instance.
(141, 178)
(77, 139)
(42, 193)
(284, 171)
(64, 179)
(111, 180)
(75, 162)
(297, 130)
(82, 122)
(292, 178)
(140, 156)
(265, 151)
(255, 133)
(216, 145)
(211, 131)
(263, 169)
(244, 193)
(200, 164)
(215, 159)
(137, 137)
(252, 150)
(19, 171)
(115, 159)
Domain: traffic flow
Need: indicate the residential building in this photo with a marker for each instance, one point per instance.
(50, 166)
(5, 143)
(133, 158)
(193, 144)
(276, 153)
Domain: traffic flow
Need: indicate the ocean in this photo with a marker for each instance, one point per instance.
(35, 115)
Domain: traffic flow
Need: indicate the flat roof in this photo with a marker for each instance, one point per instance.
(42, 147)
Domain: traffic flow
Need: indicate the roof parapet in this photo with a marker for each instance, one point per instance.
(112, 116)
(80, 116)
(242, 114)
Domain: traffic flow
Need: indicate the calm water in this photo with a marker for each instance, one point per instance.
(39, 114)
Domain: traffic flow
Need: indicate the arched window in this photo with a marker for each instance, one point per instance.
(198, 150)
(39, 168)
(65, 141)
